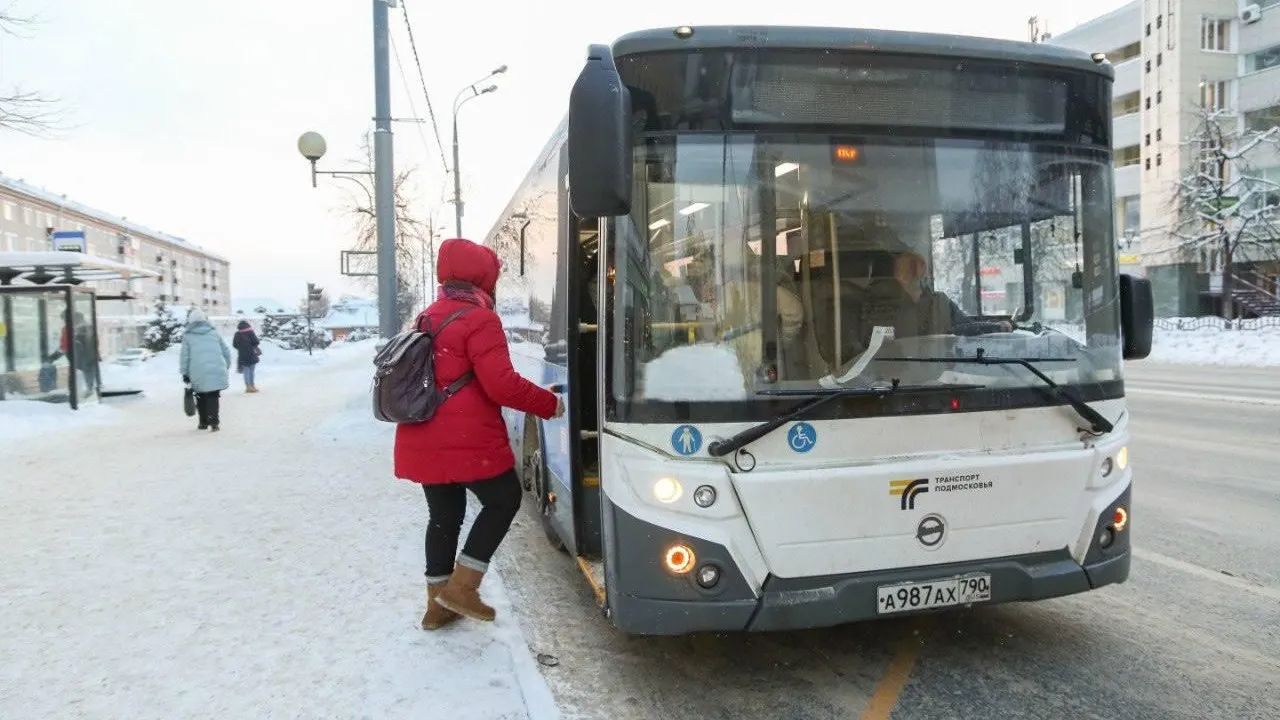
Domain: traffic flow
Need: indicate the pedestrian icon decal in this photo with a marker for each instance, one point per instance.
(802, 437)
(686, 440)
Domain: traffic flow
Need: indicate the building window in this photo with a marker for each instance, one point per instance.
(1209, 161)
(1148, 29)
(1213, 95)
(1148, 163)
(1214, 34)
(1263, 59)
(1126, 53)
(1157, 159)
(1127, 156)
(1147, 65)
(1159, 96)
(1131, 213)
(1159, 59)
(1126, 104)
(1148, 102)
(1159, 21)
(1159, 134)
(1264, 119)
(1148, 139)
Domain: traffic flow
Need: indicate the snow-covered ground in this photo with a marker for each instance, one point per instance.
(150, 570)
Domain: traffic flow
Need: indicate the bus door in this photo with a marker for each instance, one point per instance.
(583, 292)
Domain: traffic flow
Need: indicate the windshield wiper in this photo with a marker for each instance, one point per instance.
(740, 440)
(1099, 423)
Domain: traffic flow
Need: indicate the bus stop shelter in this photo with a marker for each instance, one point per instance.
(49, 324)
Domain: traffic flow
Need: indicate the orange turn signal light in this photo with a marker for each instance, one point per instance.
(679, 559)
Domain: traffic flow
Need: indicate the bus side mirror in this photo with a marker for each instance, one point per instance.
(1137, 316)
(599, 139)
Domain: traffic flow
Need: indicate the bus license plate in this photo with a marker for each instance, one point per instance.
(933, 593)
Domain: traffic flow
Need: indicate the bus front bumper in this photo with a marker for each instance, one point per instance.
(815, 602)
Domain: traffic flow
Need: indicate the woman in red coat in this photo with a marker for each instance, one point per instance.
(465, 446)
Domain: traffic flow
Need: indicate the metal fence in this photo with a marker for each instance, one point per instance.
(1217, 323)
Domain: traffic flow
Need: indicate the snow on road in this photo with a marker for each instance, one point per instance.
(150, 570)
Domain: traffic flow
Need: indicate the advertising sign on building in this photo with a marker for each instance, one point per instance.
(70, 241)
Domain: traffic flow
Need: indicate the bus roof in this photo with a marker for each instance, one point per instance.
(707, 37)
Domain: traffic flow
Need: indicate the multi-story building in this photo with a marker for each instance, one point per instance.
(189, 274)
(1174, 60)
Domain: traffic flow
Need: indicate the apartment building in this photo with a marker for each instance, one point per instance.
(189, 274)
(1171, 58)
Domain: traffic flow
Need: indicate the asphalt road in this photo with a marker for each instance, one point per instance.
(1195, 633)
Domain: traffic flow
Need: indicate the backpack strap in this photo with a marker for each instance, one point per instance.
(466, 377)
(447, 320)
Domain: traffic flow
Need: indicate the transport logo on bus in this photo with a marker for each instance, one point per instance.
(908, 490)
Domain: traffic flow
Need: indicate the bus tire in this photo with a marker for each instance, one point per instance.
(534, 478)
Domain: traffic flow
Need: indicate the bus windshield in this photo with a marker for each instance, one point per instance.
(755, 265)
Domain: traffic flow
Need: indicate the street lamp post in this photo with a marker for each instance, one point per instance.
(312, 147)
(458, 102)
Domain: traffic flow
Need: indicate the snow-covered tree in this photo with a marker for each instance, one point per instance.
(293, 334)
(163, 329)
(1221, 205)
(270, 324)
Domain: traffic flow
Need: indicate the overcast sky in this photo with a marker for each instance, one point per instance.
(183, 114)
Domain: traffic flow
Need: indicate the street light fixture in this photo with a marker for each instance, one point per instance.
(313, 147)
(458, 102)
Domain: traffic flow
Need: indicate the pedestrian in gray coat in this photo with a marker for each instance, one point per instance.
(205, 363)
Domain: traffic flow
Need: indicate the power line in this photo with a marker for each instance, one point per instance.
(413, 45)
(413, 107)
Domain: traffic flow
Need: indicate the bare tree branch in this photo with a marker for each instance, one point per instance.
(26, 111)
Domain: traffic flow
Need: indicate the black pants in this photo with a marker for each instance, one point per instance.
(207, 407)
(447, 505)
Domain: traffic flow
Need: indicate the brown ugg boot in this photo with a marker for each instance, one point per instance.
(436, 616)
(462, 595)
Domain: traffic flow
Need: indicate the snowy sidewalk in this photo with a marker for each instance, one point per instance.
(271, 570)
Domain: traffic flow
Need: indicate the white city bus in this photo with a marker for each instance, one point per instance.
(839, 325)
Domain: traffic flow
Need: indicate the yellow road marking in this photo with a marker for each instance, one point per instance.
(895, 679)
(591, 580)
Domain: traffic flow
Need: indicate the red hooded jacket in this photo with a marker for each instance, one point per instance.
(467, 440)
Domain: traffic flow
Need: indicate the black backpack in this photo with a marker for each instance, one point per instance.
(404, 378)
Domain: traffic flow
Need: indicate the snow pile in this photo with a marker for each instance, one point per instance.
(695, 372)
(1203, 343)
(1207, 341)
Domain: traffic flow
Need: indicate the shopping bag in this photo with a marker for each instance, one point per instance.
(189, 401)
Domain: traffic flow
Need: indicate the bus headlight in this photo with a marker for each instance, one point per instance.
(667, 490)
(704, 496)
(1122, 458)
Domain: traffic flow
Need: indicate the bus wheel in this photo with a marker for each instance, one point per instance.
(535, 480)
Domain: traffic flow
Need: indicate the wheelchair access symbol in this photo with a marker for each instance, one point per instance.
(686, 440)
(802, 437)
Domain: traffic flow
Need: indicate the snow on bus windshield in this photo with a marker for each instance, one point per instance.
(952, 243)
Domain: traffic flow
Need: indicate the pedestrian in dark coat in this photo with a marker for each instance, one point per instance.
(247, 353)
